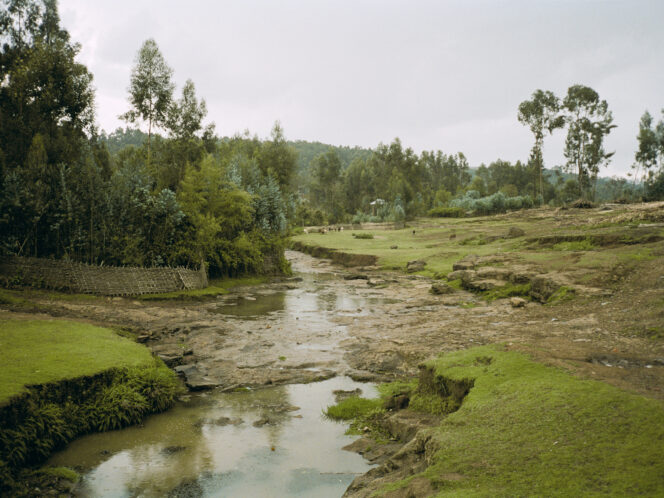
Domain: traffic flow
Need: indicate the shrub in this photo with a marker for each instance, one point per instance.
(363, 235)
(495, 203)
(446, 212)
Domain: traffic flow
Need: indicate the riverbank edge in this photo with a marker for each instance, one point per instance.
(45, 417)
(522, 428)
(338, 257)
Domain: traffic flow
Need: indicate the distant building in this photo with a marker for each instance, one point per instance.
(375, 204)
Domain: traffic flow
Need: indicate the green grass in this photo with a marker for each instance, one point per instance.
(563, 294)
(217, 287)
(352, 408)
(43, 351)
(577, 245)
(433, 245)
(11, 297)
(509, 290)
(63, 473)
(530, 430)
(440, 242)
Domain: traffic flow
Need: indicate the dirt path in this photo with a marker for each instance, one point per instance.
(380, 326)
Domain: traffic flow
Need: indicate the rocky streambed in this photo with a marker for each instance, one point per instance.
(327, 322)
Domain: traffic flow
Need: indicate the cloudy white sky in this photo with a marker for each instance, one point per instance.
(445, 75)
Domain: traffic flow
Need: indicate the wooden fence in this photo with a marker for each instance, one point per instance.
(103, 280)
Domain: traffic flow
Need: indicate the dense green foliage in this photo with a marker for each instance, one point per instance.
(446, 212)
(649, 157)
(127, 198)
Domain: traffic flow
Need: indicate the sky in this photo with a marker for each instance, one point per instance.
(440, 75)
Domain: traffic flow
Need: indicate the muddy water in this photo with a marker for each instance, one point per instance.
(268, 442)
(271, 441)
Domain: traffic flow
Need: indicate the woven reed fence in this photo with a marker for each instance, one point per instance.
(103, 280)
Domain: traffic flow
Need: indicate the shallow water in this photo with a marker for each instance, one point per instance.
(265, 442)
(214, 444)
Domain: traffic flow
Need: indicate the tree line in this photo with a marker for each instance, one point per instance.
(178, 194)
(392, 181)
(180, 197)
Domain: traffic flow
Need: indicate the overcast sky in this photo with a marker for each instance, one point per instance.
(445, 75)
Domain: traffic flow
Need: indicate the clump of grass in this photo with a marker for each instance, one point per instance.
(364, 414)
(563, 294)
(509, 290)
(352, 408)
(455, 284)
(10, 297)
(575, 245)
(397, 388)
(433, 404)
(474, 241)
(62, 473)
(363, 235)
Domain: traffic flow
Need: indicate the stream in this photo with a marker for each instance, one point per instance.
(265, 441)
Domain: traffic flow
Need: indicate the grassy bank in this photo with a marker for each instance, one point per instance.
(525, 429)
(580, 241)
(62, 379)
(36, 352)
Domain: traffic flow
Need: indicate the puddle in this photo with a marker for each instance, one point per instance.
(253, 308)
(268, 442)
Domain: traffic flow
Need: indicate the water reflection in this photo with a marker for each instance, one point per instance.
(269, 442)
(249, 307)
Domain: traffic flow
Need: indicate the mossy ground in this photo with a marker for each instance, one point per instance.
(44, 351)
(526, 429)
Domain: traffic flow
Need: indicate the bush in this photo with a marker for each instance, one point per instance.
(364, 235)
(446, 212)
(496, 203)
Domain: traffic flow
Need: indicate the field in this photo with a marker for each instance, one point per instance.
(572, 239)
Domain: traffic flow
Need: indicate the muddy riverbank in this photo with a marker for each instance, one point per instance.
(374, 325)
